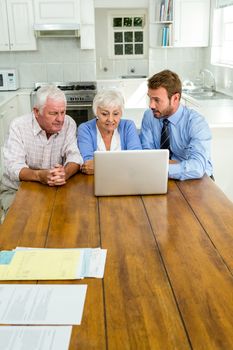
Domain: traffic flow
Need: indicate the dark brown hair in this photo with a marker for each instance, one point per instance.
(168, 80)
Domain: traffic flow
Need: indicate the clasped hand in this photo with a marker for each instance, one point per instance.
(88, 167)
(56, 176)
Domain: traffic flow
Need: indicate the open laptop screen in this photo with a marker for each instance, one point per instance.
(132, 172)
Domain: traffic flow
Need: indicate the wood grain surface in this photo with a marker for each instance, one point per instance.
(168, 280)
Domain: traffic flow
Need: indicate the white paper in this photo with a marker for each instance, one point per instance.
(94, 262)
(35, 337)
(41, 304)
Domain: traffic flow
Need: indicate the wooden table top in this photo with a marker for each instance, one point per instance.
(168, 280)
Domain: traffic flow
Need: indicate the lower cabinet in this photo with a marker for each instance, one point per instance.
(8, 112)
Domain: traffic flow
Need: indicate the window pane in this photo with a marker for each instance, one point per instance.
(128, 21)
(137, 21)
(138, 49)
(138, 37)
(118, 49)
(128, 49)
(228, 35)
(118, 37)
(128, 36)
(117, 22)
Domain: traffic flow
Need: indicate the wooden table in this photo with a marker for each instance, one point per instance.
(168, 280)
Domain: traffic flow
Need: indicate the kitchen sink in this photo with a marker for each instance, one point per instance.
(208, 95)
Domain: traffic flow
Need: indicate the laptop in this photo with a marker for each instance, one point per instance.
(132, 172)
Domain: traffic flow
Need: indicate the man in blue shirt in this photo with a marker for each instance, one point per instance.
(189, 135)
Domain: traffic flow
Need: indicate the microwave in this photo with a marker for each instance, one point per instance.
(9, 79)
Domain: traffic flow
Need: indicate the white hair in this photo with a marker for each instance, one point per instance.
(45, 92)
(108, 98)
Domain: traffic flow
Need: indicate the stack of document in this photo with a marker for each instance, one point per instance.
(51, 264)
(44, 314)
(51, 309)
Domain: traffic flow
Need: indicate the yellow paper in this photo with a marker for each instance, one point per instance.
(47, 264)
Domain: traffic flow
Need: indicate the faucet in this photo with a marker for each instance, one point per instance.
(204, 73)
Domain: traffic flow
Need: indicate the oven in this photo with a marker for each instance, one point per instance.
(80, 112)
(79, 97)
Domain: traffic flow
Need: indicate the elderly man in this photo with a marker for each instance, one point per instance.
(41, 146)
(168, 124)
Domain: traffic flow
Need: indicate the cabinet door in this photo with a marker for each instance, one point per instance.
(191, 23)
(8, 112)
(87, 21)
(57, 11)
(4, 37)
(20, 21)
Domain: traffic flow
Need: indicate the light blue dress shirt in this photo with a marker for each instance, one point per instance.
(190, 141)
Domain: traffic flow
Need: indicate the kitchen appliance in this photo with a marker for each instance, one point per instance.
(79, 96)
(69, 30)
(9, 79)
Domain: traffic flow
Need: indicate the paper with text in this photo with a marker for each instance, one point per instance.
(43, 264)
(42, 304)
(35, 338)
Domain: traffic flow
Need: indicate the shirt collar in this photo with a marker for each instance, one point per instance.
(36, 127)
(174, 118)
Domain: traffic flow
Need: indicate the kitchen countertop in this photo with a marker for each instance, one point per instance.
(6, 96)
(218, 113)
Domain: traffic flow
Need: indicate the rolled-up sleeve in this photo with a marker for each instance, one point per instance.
(14, 155)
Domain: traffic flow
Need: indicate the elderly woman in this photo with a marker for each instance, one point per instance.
(107, 132)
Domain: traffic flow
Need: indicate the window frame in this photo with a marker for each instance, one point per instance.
(222, 48)
(111, 30)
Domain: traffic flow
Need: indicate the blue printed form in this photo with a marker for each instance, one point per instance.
(6, 256)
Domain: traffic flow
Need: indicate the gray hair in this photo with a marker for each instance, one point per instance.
(108, 98)
(48, 91)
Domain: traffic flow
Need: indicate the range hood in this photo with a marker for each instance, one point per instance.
(57, 30)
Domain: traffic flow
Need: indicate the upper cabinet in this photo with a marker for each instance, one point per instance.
(191, 23)
(57, 11)
(60, 12)
(179, 23)
(87, 24)
(16, 25)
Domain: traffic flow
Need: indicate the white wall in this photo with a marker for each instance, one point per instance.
(56, 59)
(106, 66)
(222, 145)
(186, 62)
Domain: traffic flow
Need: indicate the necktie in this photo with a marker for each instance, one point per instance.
(165, 140)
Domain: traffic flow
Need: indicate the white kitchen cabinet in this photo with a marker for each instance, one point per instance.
(184, 23)
(57, 11)
(87, 24)
(191, 23)
(8, 112)
(16, 25)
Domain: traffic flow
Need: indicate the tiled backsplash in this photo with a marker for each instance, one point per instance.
(56, 59)
(60, 59)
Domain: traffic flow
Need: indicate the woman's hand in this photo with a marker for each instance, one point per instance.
(88, 167)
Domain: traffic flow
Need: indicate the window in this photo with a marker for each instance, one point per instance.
(222, 44)
(128, 33)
